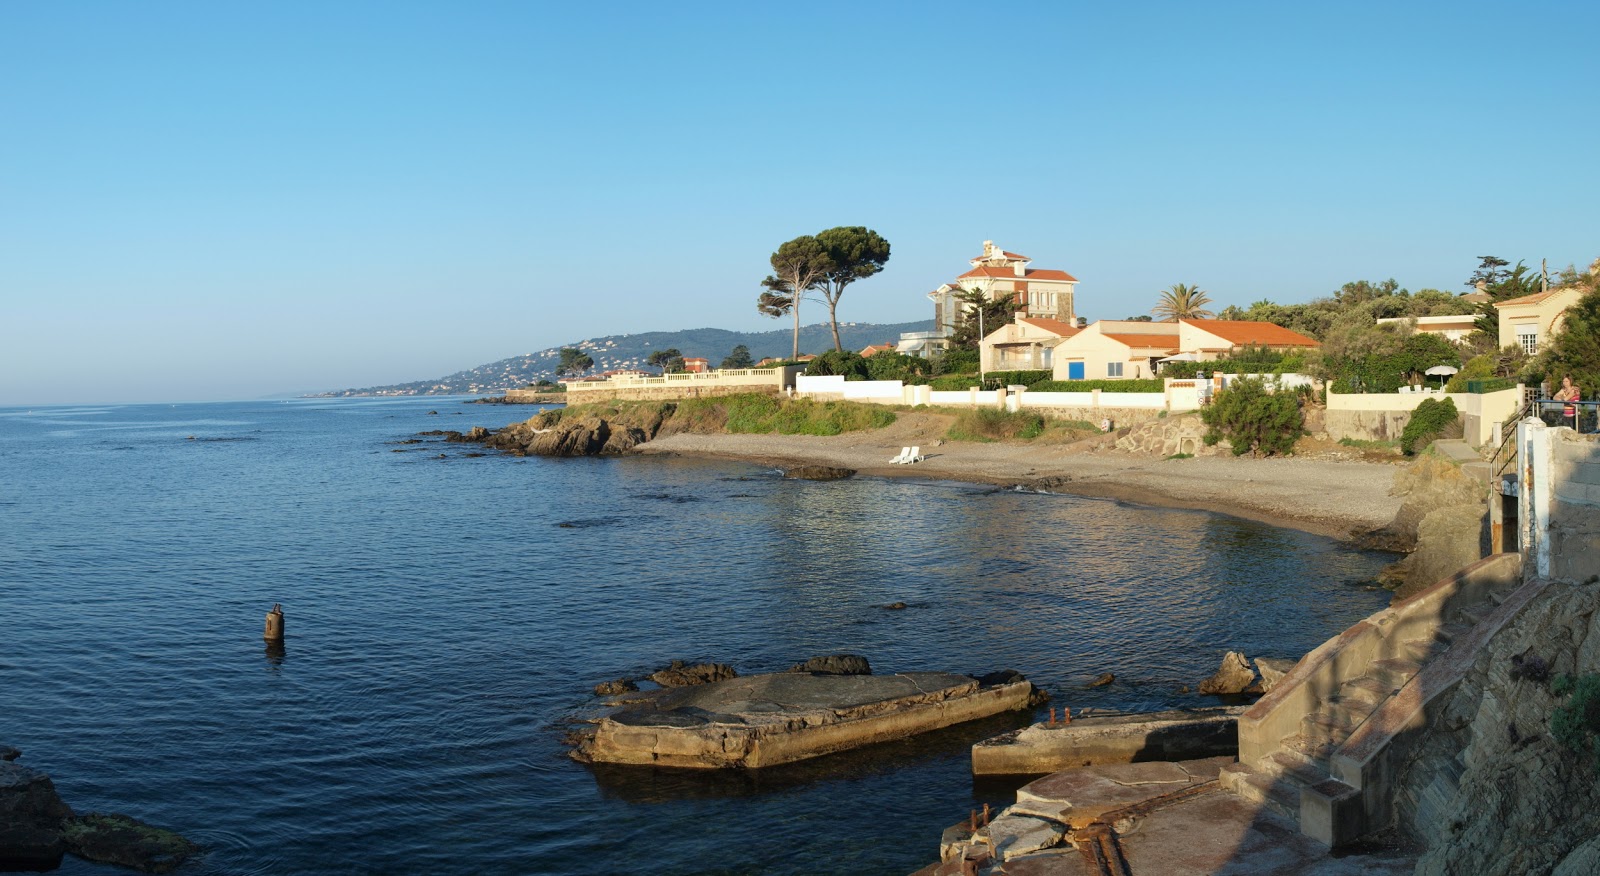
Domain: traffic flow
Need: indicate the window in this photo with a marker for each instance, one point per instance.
(1113, 369)
(1528, 339)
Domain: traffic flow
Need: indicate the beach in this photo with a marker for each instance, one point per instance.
(1336, 497)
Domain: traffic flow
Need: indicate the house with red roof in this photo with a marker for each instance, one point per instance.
(1530, 320)
(875, 349)
(1026, 343)
(1113, 349)
(1043, 293)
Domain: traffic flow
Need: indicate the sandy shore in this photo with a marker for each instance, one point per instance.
(1336, 498)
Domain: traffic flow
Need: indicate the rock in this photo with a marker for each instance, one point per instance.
(680, 675)
(1272, 669)
(1447, 539)
(895, 606)
(475, 434)
(433, 413)
(835, 664)
(28, 796)
(818, 473)
(1233, 676)
(119, 839)
(31, 815)
(1102, 680)
(8, 753)
(1004, 676)
(28, 846)
(613, 688)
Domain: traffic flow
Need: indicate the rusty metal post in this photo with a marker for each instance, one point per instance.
(274, 631)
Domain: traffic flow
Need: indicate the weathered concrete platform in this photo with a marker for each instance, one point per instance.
(1154, 819)
(1174, 735)
(762, 720)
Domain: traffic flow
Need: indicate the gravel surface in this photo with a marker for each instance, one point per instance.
(1339, 498)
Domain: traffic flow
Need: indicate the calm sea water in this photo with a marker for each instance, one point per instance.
(447, 617)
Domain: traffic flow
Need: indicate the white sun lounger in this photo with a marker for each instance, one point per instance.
(915, 456)
(901, 457)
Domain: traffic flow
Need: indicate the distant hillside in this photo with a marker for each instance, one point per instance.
(629, 351)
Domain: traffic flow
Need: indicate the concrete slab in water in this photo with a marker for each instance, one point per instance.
(1173, 735)
(761, 720)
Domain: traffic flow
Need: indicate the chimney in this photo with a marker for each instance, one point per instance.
(990, 250)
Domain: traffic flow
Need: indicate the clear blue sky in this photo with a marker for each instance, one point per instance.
(220, 201)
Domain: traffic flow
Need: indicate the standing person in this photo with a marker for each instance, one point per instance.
(1569, 393)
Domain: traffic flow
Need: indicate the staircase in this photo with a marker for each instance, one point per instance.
(1319, 748)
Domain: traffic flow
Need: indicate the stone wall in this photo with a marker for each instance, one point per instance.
(665, 393)
(1365, 425)
(1488, 790)
(1575, 509)
(1120, 417)
(1167, 436)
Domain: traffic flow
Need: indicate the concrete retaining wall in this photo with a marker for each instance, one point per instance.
(1348, 655)
(1383, 416)
(770, 381)
(1045, 748)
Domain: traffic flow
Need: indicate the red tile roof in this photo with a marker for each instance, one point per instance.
(875, 349)
(1011, 274)
(1535, 298)
(1246, 332)
(1055, 326)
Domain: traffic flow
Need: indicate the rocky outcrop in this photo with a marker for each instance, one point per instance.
(1489, 789)
(835, 664)
(555, 433)
(1443, 523)
(128, 842)
(681, 675)
(37, 828)
(1272, 669)
(615, 687)
(1232, 677)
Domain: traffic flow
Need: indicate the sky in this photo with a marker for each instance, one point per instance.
(219, 201)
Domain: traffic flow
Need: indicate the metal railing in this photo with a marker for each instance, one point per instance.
(1580, 416)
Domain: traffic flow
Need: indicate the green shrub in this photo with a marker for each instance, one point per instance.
(1427, 421)
(993, 424)
(1250, 360)
(1576, 723)
(1253, 419)
(757, 414)
(1017, 378)
(1148, 385)
(957, 362)
(1476, 368)
(843, 363)
(898, 366)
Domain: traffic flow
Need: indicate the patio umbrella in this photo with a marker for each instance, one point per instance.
(1443, 372)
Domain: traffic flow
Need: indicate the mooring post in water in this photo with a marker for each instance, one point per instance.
(274, 631)
(972, 819)
(1066, 715)
(986, 814)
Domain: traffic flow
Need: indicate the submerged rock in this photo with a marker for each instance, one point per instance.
(818, 473)
(835, 664)
(27, 796)
(1103, 679)
(119, 839)
(1233, 676)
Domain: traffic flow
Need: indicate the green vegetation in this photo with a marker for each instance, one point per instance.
(670, 361)
(1382, 358)
(1181, 456)
(1364, 444)
(1576, 723)
(1182, 302)
(573, 362)
(827, 263)
(1249, 360)
(1150, 385)
(1429, 419)
(1254, 420)
(1574, 350)
(978, 314)
(910, 370)
(751, 413)
(993, 424)
(739, 358)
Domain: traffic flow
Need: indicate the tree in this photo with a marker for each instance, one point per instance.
(797, 267)
(1143, 317)
(573, 362)
(739, 358)
(668, 360)
(855, 253)
(1501, 285)
(979, 314)
(1254, 420)
(1491, 270)
(1182, 302)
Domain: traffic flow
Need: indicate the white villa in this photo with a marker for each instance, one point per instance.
(1042, 293)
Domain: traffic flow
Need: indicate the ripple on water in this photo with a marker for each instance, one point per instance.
(445, 623)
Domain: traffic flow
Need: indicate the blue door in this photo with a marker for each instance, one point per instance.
(1074, 370)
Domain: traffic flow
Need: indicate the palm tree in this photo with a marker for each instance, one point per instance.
(1182, 302)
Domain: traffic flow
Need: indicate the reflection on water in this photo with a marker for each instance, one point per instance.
(450, 620)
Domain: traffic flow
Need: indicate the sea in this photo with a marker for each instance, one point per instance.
(449, 610)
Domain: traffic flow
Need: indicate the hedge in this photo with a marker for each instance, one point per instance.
(1150, 385)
